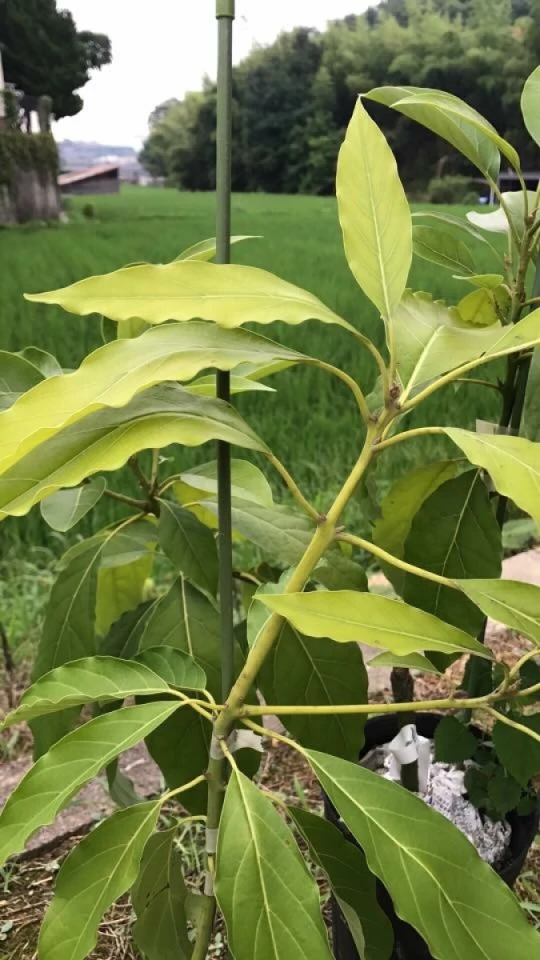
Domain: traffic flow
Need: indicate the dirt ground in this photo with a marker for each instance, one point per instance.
(26, 884)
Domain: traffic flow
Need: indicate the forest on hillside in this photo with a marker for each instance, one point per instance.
(293, 98)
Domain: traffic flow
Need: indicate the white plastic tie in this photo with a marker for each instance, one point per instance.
(211, 840)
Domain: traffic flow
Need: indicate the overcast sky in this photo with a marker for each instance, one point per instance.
(162, 48)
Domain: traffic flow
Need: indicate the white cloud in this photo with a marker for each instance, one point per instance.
(163, 48)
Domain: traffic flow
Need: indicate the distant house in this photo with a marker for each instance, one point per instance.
(104, 178)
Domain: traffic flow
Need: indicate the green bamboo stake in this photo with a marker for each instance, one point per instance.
(225, 13)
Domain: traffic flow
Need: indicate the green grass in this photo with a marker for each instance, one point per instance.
(311, 422)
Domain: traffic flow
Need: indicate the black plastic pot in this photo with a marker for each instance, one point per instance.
(408, 943)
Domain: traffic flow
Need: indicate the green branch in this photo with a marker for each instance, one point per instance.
(395, 561)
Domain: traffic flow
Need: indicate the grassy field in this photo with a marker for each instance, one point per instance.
(310, 422)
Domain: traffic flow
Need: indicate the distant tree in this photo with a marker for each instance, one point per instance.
(44, 55)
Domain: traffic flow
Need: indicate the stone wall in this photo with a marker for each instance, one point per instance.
(28, 178)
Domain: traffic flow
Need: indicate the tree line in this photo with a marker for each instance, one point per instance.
(293, 98)
(44, 55)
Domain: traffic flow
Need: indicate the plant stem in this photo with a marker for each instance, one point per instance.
(142, 479)
(403, 692)
(350, 383)
(347, 709)
(395, 561)
(186, 786)
(514, 672)
(294, 488)
(514, 724)
(409, 435)
(142, 505)
(479, 383)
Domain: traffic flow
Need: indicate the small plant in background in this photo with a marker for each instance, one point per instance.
(437, 535)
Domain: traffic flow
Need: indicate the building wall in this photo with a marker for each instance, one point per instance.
(92, 186)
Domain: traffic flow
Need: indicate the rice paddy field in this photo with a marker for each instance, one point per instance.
(310, 422)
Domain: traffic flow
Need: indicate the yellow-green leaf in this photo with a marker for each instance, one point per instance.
(88, 680)
(497, 221)
(511, 602)
(247, 483)
(412, 661)
(159, 900)
(206, 249)
(453, 120)
(102, 867)
(226, 294)
(399, 507)
(442, 248)
(259, 874)
(350, 617)
(530, 104)
(206, 386)
(106, 439)
(512, 463)
(112, 375)
(432, 872)
(120, 588)
(450, 347)
(374, 213)
(64, 509)
(478, 308)
(51, 783)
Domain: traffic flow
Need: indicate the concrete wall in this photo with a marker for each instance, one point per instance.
(32, 195)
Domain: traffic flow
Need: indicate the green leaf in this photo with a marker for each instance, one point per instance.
(120, 588)
(83, 681)
(419, 323)
(350, 617)
(458, 222)
(478, 308)
(399, 507)
(173, 352)
(511, 602)
(337, 572)
(454, 742)
(180, 749)
(504, 793)
(206, 386)
(65, 508)
(206, 249)
(120, 787)
(530, 424)
(96, 873)
(51, 783)
(130, 542)
(497, 221)
(518, 753)
(352, 883)
(107, 438)
(530, 104)
(68, 631)
(122, 639)
(512, 463)
(226, 294)
(281, 533)
(189, 545)
(177, 668)
(455, 534)
(17, 375)
(412, 661)
(442, 248)
(45, 362)
(374, 213)
(259, 874)
(126, 329)
(306, 671)
(436, 879)
(453, 120)
(184, 618)
(247, 483)
(159, 900)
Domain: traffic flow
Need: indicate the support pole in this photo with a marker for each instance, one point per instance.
(225, 13)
